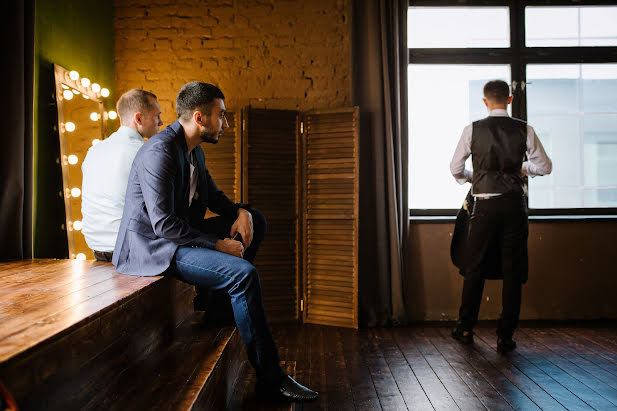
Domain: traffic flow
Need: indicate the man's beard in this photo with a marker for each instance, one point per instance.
(211, 137)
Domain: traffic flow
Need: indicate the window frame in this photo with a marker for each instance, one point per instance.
(518, 56)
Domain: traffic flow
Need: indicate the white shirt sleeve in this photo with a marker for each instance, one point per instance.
(538, 163)
(461, 154)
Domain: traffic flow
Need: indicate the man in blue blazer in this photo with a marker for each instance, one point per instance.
(163, 230)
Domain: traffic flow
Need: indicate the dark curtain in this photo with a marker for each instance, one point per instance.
(379, 87)
(16, 153)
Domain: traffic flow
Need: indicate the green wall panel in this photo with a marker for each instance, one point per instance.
(78, 35)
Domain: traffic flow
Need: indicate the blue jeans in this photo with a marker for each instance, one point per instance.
(238, 278)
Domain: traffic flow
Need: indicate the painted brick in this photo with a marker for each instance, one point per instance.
(284, 54)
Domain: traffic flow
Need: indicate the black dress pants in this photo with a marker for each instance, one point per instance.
(496, 225)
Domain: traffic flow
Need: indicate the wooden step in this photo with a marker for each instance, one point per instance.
(77, 334)
(197, 371)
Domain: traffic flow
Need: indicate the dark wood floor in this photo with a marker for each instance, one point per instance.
(423, 368)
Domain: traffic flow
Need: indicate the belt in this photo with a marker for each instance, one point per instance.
(486, 197)
(103, 255)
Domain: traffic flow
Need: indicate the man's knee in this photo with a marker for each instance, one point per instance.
(259, 223)
(246, 277)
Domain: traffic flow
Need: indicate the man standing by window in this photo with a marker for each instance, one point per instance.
(107, 166)
(498, 227)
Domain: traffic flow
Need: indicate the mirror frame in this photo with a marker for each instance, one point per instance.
(62, 76)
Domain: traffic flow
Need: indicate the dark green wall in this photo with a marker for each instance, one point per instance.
(78, 35)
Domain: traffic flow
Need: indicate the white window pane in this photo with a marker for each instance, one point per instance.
(458, 27)
(599, 87)
(443, 99)
(570, 26)
(573, 110)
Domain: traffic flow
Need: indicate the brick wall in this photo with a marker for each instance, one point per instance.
(285, 54)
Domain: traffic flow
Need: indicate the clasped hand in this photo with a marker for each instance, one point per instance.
(244, 226)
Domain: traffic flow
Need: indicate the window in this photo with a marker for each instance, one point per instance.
(438, 93)
(561, 61)
(574, 108)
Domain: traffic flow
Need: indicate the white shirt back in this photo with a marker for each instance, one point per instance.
(106, 171)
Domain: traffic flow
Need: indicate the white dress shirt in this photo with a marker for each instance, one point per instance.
(106, 171)
(538, 163)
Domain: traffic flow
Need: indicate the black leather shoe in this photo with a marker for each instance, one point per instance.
(462, 335)
(289, 390)
(505, 344)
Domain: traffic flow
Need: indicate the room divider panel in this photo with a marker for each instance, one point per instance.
(301, 170)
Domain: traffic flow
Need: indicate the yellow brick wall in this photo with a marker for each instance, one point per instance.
(283, 54)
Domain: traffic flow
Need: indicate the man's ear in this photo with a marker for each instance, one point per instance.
(510, 99)
(198, 117)
(485, 101)
(138, 118)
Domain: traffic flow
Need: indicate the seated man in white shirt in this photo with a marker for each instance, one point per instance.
(107, 166)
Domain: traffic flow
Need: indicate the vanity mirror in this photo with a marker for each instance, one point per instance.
(82, 122)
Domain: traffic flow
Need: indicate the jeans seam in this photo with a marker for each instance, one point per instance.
(202, 268)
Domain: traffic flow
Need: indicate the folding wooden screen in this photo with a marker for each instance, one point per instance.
(301, 171)
(330, 216)
(270, 183)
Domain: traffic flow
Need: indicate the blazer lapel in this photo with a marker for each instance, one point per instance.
(185, 167)
(186, 178)
(202, 185)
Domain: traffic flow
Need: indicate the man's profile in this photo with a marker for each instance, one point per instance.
(106, 170)
(163, 230)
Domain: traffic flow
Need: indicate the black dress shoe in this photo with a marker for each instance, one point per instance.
(505, 344)
(462, 335)
(289, 390)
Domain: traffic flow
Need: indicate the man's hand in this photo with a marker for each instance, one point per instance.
(244, 226)
(231, 247)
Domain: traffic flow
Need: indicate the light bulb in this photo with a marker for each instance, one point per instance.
(68, 94)
(73, 159)
(81, 257)
(76, 92)
(69, 126)
(85, 82)
(95, 87)
(104, 92)
(95, 141)
(85, 96)
(94, 116)
(112, 114)
(74, 75)
(77, 226)
(64, 86)
(75, 192)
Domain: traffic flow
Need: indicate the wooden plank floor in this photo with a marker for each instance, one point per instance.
(420, 368)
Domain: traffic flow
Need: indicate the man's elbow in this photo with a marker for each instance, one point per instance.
(548, 168)
(162, 227)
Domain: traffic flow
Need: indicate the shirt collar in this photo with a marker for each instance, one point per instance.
(498, 112)
(130, 134)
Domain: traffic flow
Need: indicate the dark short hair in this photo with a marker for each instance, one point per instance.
(195, 95)
(497, 90)
(134, 101)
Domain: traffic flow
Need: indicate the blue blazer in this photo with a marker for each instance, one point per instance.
(157, 218)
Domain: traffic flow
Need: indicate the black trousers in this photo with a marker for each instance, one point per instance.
(498, 224)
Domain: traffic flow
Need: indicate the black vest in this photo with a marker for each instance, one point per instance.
(498, 146)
